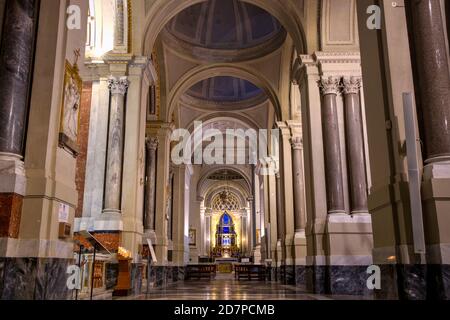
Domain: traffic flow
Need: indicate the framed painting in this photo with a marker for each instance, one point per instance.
(192, 237)
(70, 109)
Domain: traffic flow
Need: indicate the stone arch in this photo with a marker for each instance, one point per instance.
(223, 69)
(163, 11)
(201, 190)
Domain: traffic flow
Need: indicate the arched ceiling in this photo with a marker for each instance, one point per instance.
(225, 89)
(225, 24)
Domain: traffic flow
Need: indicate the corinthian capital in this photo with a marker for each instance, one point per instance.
(352, 85)
(330, 85)
(297, 143)
(152, 143)
(118, 86)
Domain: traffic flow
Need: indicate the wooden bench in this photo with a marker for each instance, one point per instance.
(250, 272)
(201, 271)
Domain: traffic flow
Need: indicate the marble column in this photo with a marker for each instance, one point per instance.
(433, 78)
(297, 168)
(16, 56)
(150, 192)
(355, 145)
(252, 238)
(208, 233)
(281, 228)
(333, 166)
(114, 156)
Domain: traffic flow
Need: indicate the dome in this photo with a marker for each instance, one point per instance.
(224, 89)
(225, 24)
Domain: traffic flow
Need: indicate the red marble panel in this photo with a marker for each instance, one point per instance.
(10, 213)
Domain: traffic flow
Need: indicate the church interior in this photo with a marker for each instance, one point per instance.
(224, 149)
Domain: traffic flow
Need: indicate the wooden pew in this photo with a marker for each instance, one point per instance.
(250, 272)
(201, 271)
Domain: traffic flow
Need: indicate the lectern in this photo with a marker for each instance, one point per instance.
(98, 247)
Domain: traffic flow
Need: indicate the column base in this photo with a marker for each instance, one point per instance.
(34, 278)
(12, 174)
(300, 258)
(12, 191)
(300, 247)
(337, 280)
(109, 220)
(149, 234)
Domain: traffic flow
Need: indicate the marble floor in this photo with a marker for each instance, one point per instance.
(225, 287)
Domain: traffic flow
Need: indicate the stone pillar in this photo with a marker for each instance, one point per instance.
(252, 240)
(297, 168)
(281, 228)
(114, 152)
(150, 192)
(355, 145)
(16, 55)
(433, 78)
(332, 146)
(208, 233)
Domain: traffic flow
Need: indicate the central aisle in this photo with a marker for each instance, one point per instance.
(225, 287)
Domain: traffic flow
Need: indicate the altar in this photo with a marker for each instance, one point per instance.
(226, 248)
(226, 265)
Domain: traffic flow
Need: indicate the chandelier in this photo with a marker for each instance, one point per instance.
(225, 197)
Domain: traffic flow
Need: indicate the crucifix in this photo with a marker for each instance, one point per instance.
(77, 54)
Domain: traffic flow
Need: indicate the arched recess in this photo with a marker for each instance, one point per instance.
(201, 190)
(162, 11)
(204, 72)
(234, 188)
(226, 116)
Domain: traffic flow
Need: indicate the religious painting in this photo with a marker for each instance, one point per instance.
(70, 113)
(192, 237)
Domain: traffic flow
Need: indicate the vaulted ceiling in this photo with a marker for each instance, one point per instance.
(224, 88)
(224, 24)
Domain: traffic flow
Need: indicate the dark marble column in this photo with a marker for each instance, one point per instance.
(432, 76)
(150, 190)
(114, 157)
(355, 145)
(297, 170)
(16, 56)
(332, 145)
